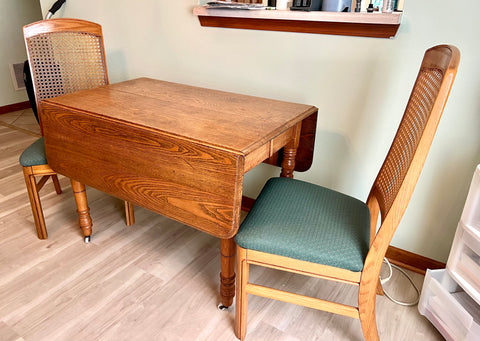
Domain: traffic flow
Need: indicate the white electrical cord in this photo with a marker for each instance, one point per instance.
(385, 280)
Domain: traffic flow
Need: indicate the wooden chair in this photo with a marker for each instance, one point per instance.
(65, 56)
(303, 228)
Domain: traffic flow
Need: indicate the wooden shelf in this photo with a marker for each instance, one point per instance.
(378, 25)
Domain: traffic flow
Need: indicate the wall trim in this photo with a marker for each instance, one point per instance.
(14, 107)
(403, 258)
(412, 261)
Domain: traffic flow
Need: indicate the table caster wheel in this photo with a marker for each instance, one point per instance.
(87, 239)
(222, 307)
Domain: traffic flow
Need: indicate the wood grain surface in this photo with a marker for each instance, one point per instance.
(195, 184)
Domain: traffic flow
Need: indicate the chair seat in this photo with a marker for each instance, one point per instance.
(34, 155)
(300, 220)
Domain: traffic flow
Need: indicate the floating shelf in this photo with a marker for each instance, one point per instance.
(378, 25)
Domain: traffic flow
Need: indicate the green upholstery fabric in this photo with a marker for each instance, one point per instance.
(34, 155)
(304, 221)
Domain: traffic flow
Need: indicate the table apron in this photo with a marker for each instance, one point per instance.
(269, 148)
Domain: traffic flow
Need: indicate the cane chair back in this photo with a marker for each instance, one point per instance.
(65, 56)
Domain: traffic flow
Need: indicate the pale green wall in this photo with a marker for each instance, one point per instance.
(360, 85)
(13, 15)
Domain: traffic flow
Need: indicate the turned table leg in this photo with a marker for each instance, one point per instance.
(82, 209)
(227, 274)
(288, 163)
(289, 154)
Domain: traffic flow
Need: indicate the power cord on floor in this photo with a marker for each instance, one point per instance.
(385, 280)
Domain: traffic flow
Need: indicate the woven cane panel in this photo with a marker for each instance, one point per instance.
(408, 137)
(66, 62)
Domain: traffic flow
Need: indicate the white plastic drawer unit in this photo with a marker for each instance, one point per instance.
(464, 260)
(449, 308)
(471, 210)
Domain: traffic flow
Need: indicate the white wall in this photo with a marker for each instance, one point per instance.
(360, 85)
(13, 15)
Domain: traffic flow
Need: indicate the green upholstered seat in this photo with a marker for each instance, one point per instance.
(34, 155)
(308, 222)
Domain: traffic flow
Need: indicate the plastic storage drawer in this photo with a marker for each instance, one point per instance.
(471, 210)
(449, 308)
(464, 260)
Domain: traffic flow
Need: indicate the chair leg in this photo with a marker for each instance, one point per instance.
(241, 300)
(56, 184)
(129, 213)
(380, 289)
(366, 305)
(35, 203)
(369, 327)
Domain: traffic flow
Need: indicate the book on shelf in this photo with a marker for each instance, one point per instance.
(233, 5)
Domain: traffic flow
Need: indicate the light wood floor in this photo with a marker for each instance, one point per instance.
(156, 280)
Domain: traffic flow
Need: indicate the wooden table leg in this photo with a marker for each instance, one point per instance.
(129, 213)
(288, 163)
(289, 154)
(227, 274)
(82, 209)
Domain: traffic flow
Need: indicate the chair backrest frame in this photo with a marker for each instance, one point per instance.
(440, 60)
(64, 55)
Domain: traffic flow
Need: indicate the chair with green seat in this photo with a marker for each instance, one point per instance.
(304, 228)
(65, 56)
